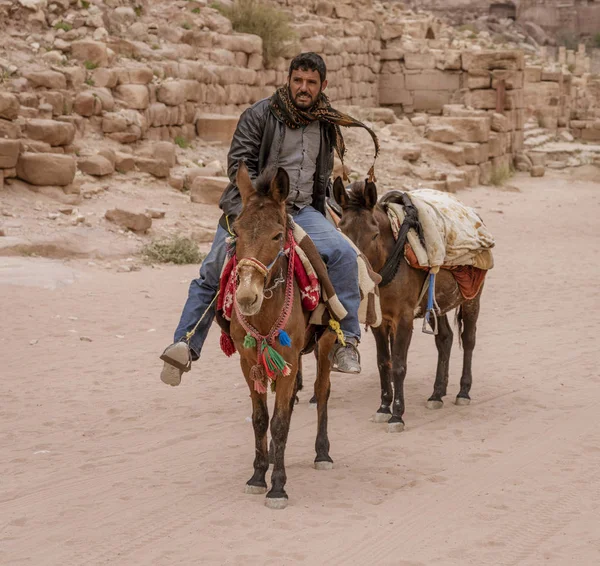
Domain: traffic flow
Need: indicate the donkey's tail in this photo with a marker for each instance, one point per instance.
(458, 321)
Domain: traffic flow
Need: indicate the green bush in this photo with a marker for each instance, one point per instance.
(258, 18)
(65, 26)
(597, 40)
(90, 65)
(182, 142)
(176, 250)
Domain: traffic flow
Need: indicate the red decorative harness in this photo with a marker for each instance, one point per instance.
(269, 363)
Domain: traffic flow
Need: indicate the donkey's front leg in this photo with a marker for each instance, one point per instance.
(260, 421)
(400, 346)
(280, 425)
(384, 364)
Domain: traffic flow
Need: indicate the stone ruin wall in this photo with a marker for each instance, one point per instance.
(581, 17)
(131, 71)
(479, 96)
(129, 81)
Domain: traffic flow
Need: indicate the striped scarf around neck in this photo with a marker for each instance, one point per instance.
(284, 109)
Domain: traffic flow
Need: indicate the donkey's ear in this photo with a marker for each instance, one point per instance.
(370, 194)
(280, 186)
(243, 182)
(339, 193)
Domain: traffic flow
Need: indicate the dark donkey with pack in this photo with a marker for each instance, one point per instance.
(403, 299)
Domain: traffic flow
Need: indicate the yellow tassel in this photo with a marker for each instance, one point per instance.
(335, 326)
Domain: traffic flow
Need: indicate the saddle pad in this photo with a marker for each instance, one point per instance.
(318, 294)
(454, 233)
(468, 277)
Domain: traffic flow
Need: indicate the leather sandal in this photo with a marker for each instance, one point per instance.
(178, 360)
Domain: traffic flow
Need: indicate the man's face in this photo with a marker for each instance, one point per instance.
(305, 87)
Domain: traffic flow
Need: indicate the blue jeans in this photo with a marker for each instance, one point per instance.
(339, 256)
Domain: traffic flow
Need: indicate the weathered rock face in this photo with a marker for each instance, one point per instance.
(46, 168)
(156, 167)
(92, 52)
(9, 153)
(50, 131)
(212, 127)
(96, 165)
(124, 163)
(9, 106)
(87, 104)
(135, 221)
(47, 79)
(449, 130)
(208, 190)
(133, 96)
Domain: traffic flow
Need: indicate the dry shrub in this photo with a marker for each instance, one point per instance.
(259, 18)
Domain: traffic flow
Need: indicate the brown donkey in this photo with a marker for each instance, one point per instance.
(267, 301)
(367, 224)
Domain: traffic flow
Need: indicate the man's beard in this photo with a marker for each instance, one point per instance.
(305, 103)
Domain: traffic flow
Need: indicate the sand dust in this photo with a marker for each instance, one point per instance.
(101, 463)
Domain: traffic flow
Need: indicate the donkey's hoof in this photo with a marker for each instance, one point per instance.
(462, 401)
(255, 489)
(434, 405)
(382, 417)
(313, 401)
(395, 427)
(323, 465)
(276, 502)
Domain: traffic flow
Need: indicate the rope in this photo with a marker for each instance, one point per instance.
(189, 335)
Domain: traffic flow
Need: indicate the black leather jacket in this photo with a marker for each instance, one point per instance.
(257, 135)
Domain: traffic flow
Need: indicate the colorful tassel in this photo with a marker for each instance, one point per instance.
(227, 345)
(284, 338)
(273, 362)
(249, 341)
(257, 374)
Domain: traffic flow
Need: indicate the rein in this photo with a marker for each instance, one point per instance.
(411, 220)
(269, 363)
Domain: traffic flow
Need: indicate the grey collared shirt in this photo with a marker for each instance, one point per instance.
(298, 156)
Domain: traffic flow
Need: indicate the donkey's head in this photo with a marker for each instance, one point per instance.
(261, 234)
(361, 218)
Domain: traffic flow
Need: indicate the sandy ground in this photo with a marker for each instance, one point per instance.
(100, 463)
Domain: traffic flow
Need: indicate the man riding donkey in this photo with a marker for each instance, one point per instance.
(296, 129)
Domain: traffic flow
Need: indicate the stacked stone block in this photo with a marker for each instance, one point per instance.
(585, 111)
(36, 150)
(548, 96)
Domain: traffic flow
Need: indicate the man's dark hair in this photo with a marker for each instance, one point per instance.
(309, 62)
